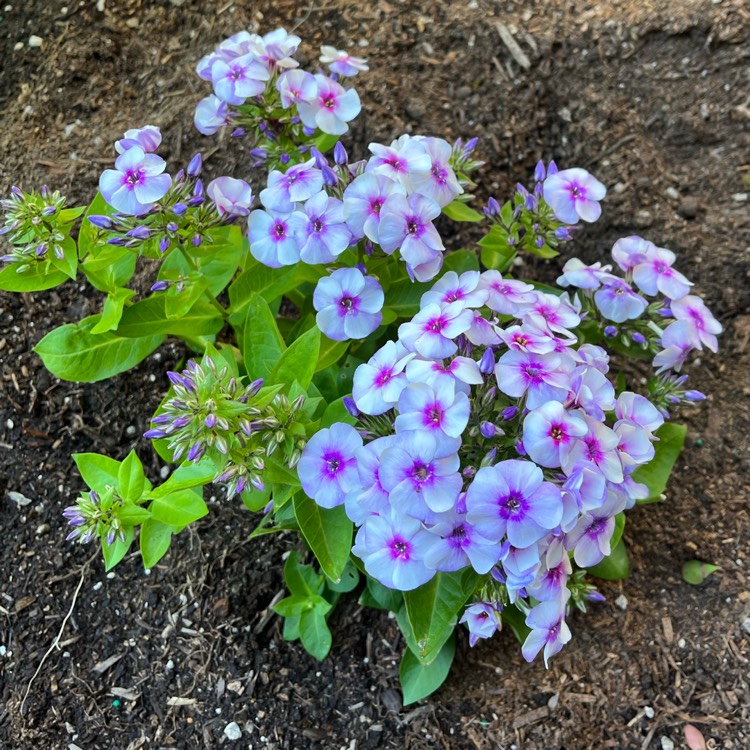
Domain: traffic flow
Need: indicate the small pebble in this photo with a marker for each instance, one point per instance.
(17, 46)
(35, 41)
(649, 712)
(621, 602)
(688, 208)
(130, 430)
(739, 197)
(681, 643)
(553, 702)
(97, 586)
(170, 664)
(643, 219)
(232, 731)
(10, 424)
(667, 744)
(164, 472)
(42, 529)
(746, 625)
(672, 193)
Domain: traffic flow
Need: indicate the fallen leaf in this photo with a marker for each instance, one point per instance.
(694, 738)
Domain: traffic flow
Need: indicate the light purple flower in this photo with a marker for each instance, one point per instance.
(703, 326)
(550, 582)
(435, 409)
(328, 467)
(431, 331)
(538, 376)
(296, 86)
(406, 224)
(548, 629)
(272, 238)
(238, 79)
(592, 392)
(548, 429)
(576, 273)
(482, 619)
(298, 184)
(322, 235)
(460, 546)
(370, 497)
(341, 62)
(421, 476)
(148, 138)
(552, 314)
(439, 182)
(332, 107)
(506, 296)
(655, 274)
(231, 196)
(628, 252)
(392, 548)
(618, 302)
(210, 114)
(574, 193)
(378, 383)
(399, 161)
(364, 198)
(635, 446)
(454, 288)
(275, 49)
(349, 304)
(599, 447)
(136, 182)
(527, 339)
(587, 485)
(592, 534)
(678, 340)
(512, 498)
(638, 409)
(463, 372)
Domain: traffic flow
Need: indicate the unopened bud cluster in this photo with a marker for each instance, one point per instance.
(95, 516)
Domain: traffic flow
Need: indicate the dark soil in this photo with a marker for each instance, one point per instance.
(652, 97)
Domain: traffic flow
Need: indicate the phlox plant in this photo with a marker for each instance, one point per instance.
(456, 443)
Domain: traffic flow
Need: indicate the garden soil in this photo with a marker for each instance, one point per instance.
(653, 96)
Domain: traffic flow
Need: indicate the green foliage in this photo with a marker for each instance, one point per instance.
(695, 572)
(459, 211)
(262, 344)
(655, 474)
(616, 567)
(34, 279)
(418, 680)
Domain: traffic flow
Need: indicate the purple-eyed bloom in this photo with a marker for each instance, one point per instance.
(548, 629)
(599, 447)
(592, 391)
(349, 304)
(463, 372)
(296, 86)
(231, 196)
(332, 107)
(272, 238)
(392, 548)
(238, 79)
(435, 409)
(678, 341)
(421, 475)
(451, 287)
(638, 409)
(506, 296)
(548, 429)
(635, 446)
(378, 383)
(210, 114)
(483, 620)
(322, 234)
(298, 184)
(399, 161)
(703, 326)
(370, 497)
(540, 377)
(328, 467)
(406, 224)
(136, 182)
(655, 274)
(574, 194)
(148, 138)
(576, 273)
(364, 198)
(459, 546)
(431, 331)
(341, 62)
(512, 498)
(439, 182)
(618, 302)
(592, 535)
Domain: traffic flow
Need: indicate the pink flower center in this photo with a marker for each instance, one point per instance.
(134, 177)
(383, 377)
(577, 192)
(557, 433)
(435, 325)
(318, 225)
(400, 549)
(329, 101)
(375, 205)
(280, 230)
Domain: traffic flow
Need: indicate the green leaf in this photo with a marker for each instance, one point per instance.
(336, 412)
(98, 471)
(114, 552)
(112, 311)
(328, 532)
(131, 480)
(225, 254)
(617, 533)
(291, 628)
(34, 279)
(67, 215)
(432, 609)
(348, 581)
(262, 345)
(279, 473)
(381, 597)
(655, 473)
(314, 633)
(88, 232)
(149, 317)
(326, 141)
(460, 261)
(155, 539)
(179, 508)
(419, 680)
(616, 567)
(185, 477)
(111, 268)
(298, 361)
(330, 352)
(459, 211)
(516, 620)
(695, 572)
(72, 352)
(132, 515)
(497, 253)
(296, 604)
(68, 264)
(300, 579)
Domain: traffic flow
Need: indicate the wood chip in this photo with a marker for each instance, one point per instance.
(177, 701)
(104, 665)
(509, 41)
(127, 694)
(24, 602)
(531, 717)
(666, 626)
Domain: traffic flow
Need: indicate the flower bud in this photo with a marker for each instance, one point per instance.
(103, 222)
(694, 396)
(195, 166)
(492, 209)
(159, 286)
(339, 154)
(610, 331)
(540, 172)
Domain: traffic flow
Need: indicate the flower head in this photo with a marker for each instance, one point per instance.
(574, 194)
(136, 182)
(349, 304)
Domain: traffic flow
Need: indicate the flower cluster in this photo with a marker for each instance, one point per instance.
(37, 226)
(314, 212)
(96, 516)
(211, 414)
(490, 437)
(259, 87)
(625, 313)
